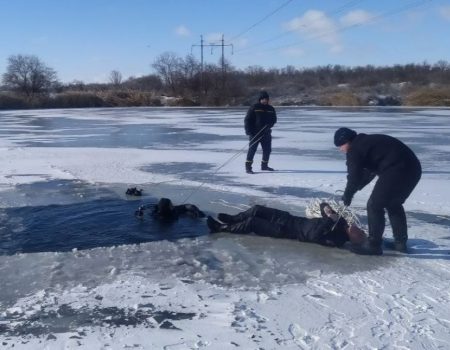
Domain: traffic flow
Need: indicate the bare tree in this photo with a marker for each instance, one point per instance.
(145, 83)
(167, 66)
(29, 75)
(115, 78)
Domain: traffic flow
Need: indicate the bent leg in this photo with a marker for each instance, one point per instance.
(375, 217)
(270, 214)
(258, 226)
(397, 217)
(396, 212)
(397, 185)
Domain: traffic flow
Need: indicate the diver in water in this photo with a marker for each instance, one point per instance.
(165, 210)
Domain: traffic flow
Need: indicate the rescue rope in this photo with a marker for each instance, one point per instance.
(252, 142)
(343, 211)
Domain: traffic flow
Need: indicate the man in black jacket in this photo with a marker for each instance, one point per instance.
(260, 119)
(398, 171)
(164, 210)
(330, 230)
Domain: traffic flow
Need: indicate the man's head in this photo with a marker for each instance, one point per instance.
(263, 97)
(343, 138)
(165, 207)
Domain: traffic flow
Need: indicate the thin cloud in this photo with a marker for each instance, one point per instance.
(182, 31)
(356, 17)
(444, 11)
(317, 25)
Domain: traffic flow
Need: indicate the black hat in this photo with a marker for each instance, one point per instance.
(262, 95)
(343, 135)
(165, 207)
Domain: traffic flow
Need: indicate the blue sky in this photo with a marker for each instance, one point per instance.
(87, 39)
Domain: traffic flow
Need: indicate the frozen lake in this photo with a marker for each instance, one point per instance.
(79, 270)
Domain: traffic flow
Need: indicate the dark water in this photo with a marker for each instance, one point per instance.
(89, 224)
(62, 215)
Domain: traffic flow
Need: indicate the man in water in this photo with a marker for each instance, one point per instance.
(164, 210)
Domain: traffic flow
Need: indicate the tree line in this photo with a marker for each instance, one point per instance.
(29, 83)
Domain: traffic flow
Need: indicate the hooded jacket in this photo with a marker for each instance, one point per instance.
(318, 230)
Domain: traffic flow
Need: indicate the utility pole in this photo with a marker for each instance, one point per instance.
(201, 60)
(222, 60)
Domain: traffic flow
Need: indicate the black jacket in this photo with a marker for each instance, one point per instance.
(190, 210)
(172, 213)
(258, 116)
(319, 230)
(371, 155)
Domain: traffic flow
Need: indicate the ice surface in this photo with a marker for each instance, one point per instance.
(78, 270)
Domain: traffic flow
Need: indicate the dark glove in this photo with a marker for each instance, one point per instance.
(347, 199)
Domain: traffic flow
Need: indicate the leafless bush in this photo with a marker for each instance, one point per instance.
(9, 101)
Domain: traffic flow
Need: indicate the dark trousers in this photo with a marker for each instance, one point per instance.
(266, 144)
(262, 221)
(390, 192)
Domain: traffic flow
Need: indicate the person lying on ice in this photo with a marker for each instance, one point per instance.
(166, 211)
(329, 230)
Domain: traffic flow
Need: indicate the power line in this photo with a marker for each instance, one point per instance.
(373, 19)
(212, 45)
(261, 20)
(333, 12)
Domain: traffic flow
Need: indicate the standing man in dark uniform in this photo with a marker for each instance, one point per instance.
(259, 120)
(398, 171)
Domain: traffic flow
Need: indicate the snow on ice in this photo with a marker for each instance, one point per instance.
(133, 288)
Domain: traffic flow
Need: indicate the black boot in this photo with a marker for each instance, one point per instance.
(401, 247)
(214, 225)
(248, 167)
(226, 218)
(367, 248)
(266, 167)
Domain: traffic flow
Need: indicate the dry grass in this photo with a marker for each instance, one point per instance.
(10, 101)
(129, 98)
(344, 98)
(429, 97)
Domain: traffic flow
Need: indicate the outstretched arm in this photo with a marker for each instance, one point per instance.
(191, 210)
(139, 213)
